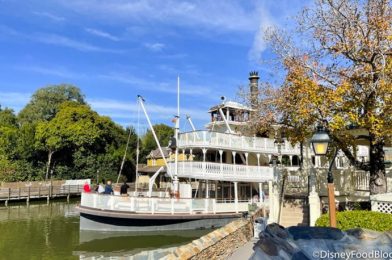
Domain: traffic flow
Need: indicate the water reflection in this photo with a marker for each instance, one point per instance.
(146, 245)
(51, 231)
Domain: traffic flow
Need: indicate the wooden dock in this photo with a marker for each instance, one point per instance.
(40, 192)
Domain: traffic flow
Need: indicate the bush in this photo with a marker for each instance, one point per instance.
(359, 219)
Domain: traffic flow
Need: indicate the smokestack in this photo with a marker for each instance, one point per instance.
(254, 87)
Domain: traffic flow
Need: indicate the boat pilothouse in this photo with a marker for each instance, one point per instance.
(214, 174)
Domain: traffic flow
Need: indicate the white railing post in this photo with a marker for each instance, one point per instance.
(221, 161)
(206, 204)
(204, 161)
(152, 205)
(112, 202)
(94, 200)
(247, 164)
(314, 208)
(261, 197)
(236, 196)
(132, 203)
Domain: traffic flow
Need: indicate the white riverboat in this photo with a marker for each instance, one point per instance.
(231, 171)
(224, 169)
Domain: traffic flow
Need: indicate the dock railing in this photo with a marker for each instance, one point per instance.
(36, 192)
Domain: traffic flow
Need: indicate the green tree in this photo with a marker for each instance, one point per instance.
(74, 125)
(57, 133)
(84, 142)
(45, 102)
(341, 78)
(163, 132)
(8, 137)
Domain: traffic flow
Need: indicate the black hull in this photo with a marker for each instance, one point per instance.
(105, 220)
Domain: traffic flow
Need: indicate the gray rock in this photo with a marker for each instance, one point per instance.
(277, 242)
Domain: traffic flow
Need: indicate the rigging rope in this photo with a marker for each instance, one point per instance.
(125, 154)
(137, 146)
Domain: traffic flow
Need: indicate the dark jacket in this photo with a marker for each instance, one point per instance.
(124, 188)
(108, 189)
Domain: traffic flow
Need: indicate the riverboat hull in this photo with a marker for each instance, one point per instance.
(107, 220)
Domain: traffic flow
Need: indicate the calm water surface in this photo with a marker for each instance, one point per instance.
(51, 231)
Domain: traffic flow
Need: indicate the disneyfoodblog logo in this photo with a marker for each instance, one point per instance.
(373, 254)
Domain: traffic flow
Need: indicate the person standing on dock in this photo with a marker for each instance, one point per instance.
(86, 187)
(101, 187)
(108, 188)
(124, 189)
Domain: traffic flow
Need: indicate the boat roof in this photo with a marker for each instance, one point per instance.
(156, 154)
(230, 104)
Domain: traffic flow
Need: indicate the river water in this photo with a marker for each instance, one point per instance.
(51, 231)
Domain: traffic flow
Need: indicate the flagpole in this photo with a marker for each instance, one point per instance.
(176, 132)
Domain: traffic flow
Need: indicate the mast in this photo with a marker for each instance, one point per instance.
(176, 132)
(141, 100)
(137, 149)
(188, 117)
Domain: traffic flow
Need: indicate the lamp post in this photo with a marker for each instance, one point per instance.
(320, 141)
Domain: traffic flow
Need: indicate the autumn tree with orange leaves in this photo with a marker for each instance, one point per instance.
(340, 77)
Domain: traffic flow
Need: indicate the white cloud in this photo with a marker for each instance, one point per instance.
(218, 14)
(273, 13)
(59, 72)
(60, 40)
(122, 111)
(157, 47)
(51, 16)
(101, 34)
(159, 86)
(259, 43)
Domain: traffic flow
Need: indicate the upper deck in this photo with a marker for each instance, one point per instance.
(226, 141)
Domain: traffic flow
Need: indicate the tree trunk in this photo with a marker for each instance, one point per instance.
(50, 154)
(377, 168)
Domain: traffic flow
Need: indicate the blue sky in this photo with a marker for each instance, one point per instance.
(114, 50)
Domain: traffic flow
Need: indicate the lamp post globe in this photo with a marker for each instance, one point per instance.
(320, 141)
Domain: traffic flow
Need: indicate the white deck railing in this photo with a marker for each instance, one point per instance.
(382, 202)
(218, 140)
(159, 205)
(223, 172)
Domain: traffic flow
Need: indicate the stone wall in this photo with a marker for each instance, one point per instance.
(219, 244)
